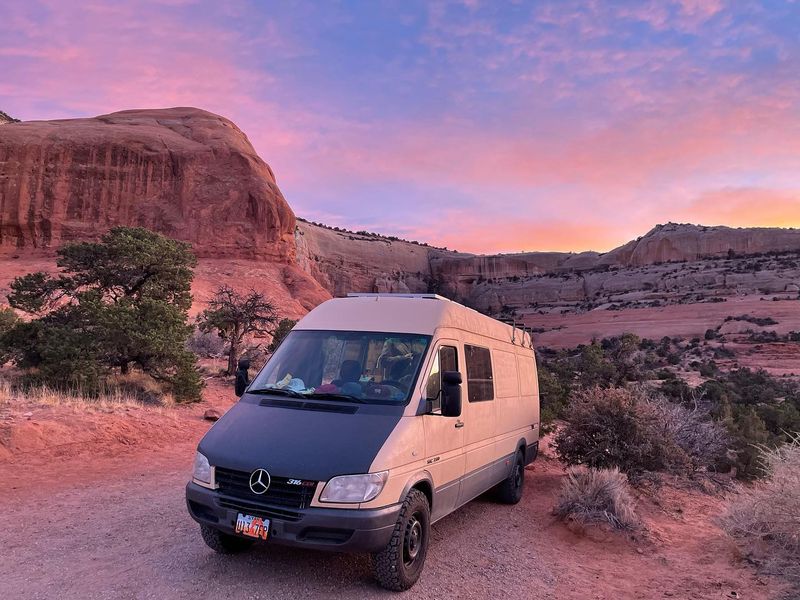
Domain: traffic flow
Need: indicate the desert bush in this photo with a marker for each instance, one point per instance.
(235, 316)
(704, 442)
(636, 432)
(206, 344)
(597, 496)
(765, 517)
(615, 428)
(281, 331)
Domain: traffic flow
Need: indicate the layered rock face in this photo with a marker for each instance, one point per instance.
(183, 172)
(671, 263)
(345, 262)
(680, 242)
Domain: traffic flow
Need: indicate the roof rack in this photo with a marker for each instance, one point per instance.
(522, 328)
(393, 295)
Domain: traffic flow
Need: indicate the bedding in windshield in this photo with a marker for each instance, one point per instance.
(351, 366)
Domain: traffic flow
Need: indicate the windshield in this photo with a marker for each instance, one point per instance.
(362, 366)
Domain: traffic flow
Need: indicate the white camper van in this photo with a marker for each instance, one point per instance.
(378, 415)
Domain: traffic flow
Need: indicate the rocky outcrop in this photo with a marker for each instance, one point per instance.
(4, 118)
(343, 261)
(184, 172)
(684, 242)
(670, 264)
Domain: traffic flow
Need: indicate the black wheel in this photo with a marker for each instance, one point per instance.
(510, 490)
(223, 543)
(398, 566)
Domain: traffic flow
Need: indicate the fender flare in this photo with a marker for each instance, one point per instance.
(414, 480)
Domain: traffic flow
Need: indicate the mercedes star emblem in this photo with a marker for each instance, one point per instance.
(259, 481)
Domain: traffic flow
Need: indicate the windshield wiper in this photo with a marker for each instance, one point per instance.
(278, 392)
(335, 396)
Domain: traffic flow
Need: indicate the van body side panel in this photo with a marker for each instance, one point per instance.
(518, 413)
(301, 444)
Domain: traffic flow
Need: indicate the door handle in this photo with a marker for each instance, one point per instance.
(459, 424)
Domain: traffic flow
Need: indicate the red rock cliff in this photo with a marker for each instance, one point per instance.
(184, 172)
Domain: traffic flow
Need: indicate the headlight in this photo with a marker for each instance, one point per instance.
(202, 471)
(354, 488)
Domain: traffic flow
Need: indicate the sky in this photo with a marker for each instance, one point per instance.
(480, 125)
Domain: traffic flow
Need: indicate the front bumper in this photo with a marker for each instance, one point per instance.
(338, 529)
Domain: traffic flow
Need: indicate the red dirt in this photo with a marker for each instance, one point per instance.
(129, 466)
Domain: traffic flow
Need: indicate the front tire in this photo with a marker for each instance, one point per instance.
(223, 543)
(398, 566)
(510, 490)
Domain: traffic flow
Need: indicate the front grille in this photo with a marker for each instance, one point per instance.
(280, 495)
(259, 510)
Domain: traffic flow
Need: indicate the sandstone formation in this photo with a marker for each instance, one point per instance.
(184, 172)
(349, 262)
(4, 118)
(671, 264)
(194, 176)
(680, 242)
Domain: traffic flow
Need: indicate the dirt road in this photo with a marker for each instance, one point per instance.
(96, 526)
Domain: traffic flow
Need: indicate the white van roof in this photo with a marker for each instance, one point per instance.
(405, 313)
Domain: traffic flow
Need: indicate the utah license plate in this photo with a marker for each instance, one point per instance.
(251, 526)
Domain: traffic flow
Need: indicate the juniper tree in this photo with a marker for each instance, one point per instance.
(117, 303)
(234, 316)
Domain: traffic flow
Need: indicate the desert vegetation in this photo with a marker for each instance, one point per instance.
(113, 322)
(597, 496)
(117, 306)
(637, 432)
(765, 517)
(752, 406)
(235, 317)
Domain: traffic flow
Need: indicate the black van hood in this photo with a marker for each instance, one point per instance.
(299, 444)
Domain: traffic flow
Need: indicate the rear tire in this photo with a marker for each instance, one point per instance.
(223, 543)
(510, 490)
(398, 566)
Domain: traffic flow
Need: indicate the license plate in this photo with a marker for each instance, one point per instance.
(251, 526)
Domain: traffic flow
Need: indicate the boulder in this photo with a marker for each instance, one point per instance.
(212, 414)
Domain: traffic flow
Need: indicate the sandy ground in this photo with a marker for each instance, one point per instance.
(106, 518)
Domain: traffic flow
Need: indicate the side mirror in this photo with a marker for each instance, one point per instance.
(451, 394)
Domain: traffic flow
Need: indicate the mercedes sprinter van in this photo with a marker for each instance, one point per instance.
(378, 415)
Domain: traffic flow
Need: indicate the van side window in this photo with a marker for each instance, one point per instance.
(446, 359)
(479, 373)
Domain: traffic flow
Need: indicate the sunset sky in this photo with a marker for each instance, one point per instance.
(480, 125)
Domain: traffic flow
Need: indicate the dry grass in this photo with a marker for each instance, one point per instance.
(765, 517)
(597, 496)
(14, 396)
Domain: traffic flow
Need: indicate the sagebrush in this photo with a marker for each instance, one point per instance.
(636, 432)
(596, 496)
(764, 517)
